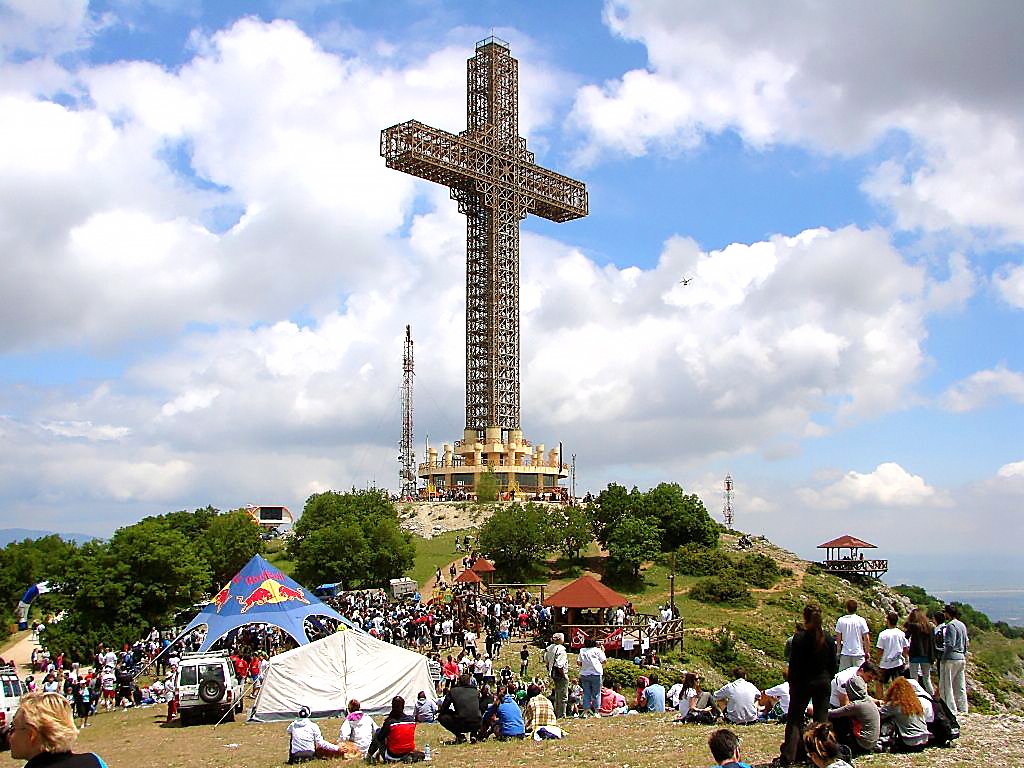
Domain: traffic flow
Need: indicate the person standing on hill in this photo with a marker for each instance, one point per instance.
(812, 663)
(557, 662)
(893, 647)
(919, 632)
(853, 637)
(955, 643)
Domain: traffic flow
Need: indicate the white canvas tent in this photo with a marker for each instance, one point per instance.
(326, 674)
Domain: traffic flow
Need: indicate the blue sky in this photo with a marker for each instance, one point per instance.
(208, 269)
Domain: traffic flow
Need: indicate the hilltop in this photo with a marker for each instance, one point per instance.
(752, 632)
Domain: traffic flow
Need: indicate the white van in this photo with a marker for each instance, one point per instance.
(11, 694)
(207, 685)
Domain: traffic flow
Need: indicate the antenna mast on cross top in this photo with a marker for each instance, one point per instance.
(407, 471)
(727, 509)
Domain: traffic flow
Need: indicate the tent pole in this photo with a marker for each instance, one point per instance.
(232, 707)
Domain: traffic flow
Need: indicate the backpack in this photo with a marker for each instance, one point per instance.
(945, 727)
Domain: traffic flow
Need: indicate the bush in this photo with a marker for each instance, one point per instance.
(624, 674)
(721, 589)
(702, 561)
(758, 570)
(723, 649)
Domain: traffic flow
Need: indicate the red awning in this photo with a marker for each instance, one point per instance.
(482, 565)
(847, 541)
(467, 577)
(586, 592)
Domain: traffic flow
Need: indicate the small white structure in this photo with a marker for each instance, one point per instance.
(403, 587)
(270, 516)
(325, 674)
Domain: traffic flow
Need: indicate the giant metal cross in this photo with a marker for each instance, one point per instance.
(496, 182)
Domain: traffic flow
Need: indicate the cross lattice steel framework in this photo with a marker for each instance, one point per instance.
(496, 183)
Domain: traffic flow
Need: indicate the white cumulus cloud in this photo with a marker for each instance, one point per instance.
(983, 388)
(888, 485)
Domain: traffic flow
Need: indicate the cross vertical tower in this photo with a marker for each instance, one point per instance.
(496, 183)
(407, 458)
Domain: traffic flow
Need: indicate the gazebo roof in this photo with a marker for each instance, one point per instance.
(467, 577)
(847, 541)
(482, 565)
(586, 592)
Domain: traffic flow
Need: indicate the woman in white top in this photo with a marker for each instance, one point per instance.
(592, 661)
(688, 696)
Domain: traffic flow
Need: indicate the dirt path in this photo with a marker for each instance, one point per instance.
(427, 593)
(20, 651)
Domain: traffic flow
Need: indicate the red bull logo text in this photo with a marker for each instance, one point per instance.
(271, 591)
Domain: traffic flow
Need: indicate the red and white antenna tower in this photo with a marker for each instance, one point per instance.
(407, 457)
(727, 509)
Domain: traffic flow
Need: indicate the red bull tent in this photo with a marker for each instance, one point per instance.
(261, 594)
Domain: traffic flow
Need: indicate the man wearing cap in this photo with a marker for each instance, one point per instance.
(857, 724)
(557, 662)
(306, 739)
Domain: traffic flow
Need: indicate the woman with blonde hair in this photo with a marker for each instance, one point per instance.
(903, 711)
(822, 748)
(43, 733)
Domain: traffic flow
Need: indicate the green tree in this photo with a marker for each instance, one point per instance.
(612, 505)
(682, 517)
(231, 541)
(631, 543)
(352, 538)
(570, 530)
(487, 487)
(117, 591)
(516, 537)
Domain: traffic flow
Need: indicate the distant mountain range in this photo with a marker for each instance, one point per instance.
(7, 535)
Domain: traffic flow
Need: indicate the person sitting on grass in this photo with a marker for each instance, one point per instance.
(725, 748)
(396, 735)
(504, 718)
(822, 748)
(306, 742)
(43, 732)
(652, 699)
(540, 712)
(612, 702)
(357, 731)
(857, 725)
(904, 712)
(460, 710)
(740, 697)
(425, 710)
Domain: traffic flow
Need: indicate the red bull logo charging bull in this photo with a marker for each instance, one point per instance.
(222, 597)
(270, 591)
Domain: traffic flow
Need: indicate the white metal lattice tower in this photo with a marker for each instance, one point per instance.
(727, 495)
(407, 457)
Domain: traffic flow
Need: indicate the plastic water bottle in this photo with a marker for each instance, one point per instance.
(427, 756)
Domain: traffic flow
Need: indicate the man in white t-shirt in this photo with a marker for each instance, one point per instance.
(741, 698)
(852, 637)
(894, 647)
(837, 695)
(780, 693)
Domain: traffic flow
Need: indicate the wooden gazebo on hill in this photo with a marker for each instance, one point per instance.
(483, 568)
(853, 561)
(469, 577)
(588, 594)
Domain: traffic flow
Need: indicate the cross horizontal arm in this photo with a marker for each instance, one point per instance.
(459, 161)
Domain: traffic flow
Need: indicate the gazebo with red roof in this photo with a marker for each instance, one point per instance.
(483, 568)
(468, 577)
(854, 562)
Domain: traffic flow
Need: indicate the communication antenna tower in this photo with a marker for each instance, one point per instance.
(727, 509)
(407, 459)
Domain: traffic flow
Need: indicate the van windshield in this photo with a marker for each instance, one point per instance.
(12, 687)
